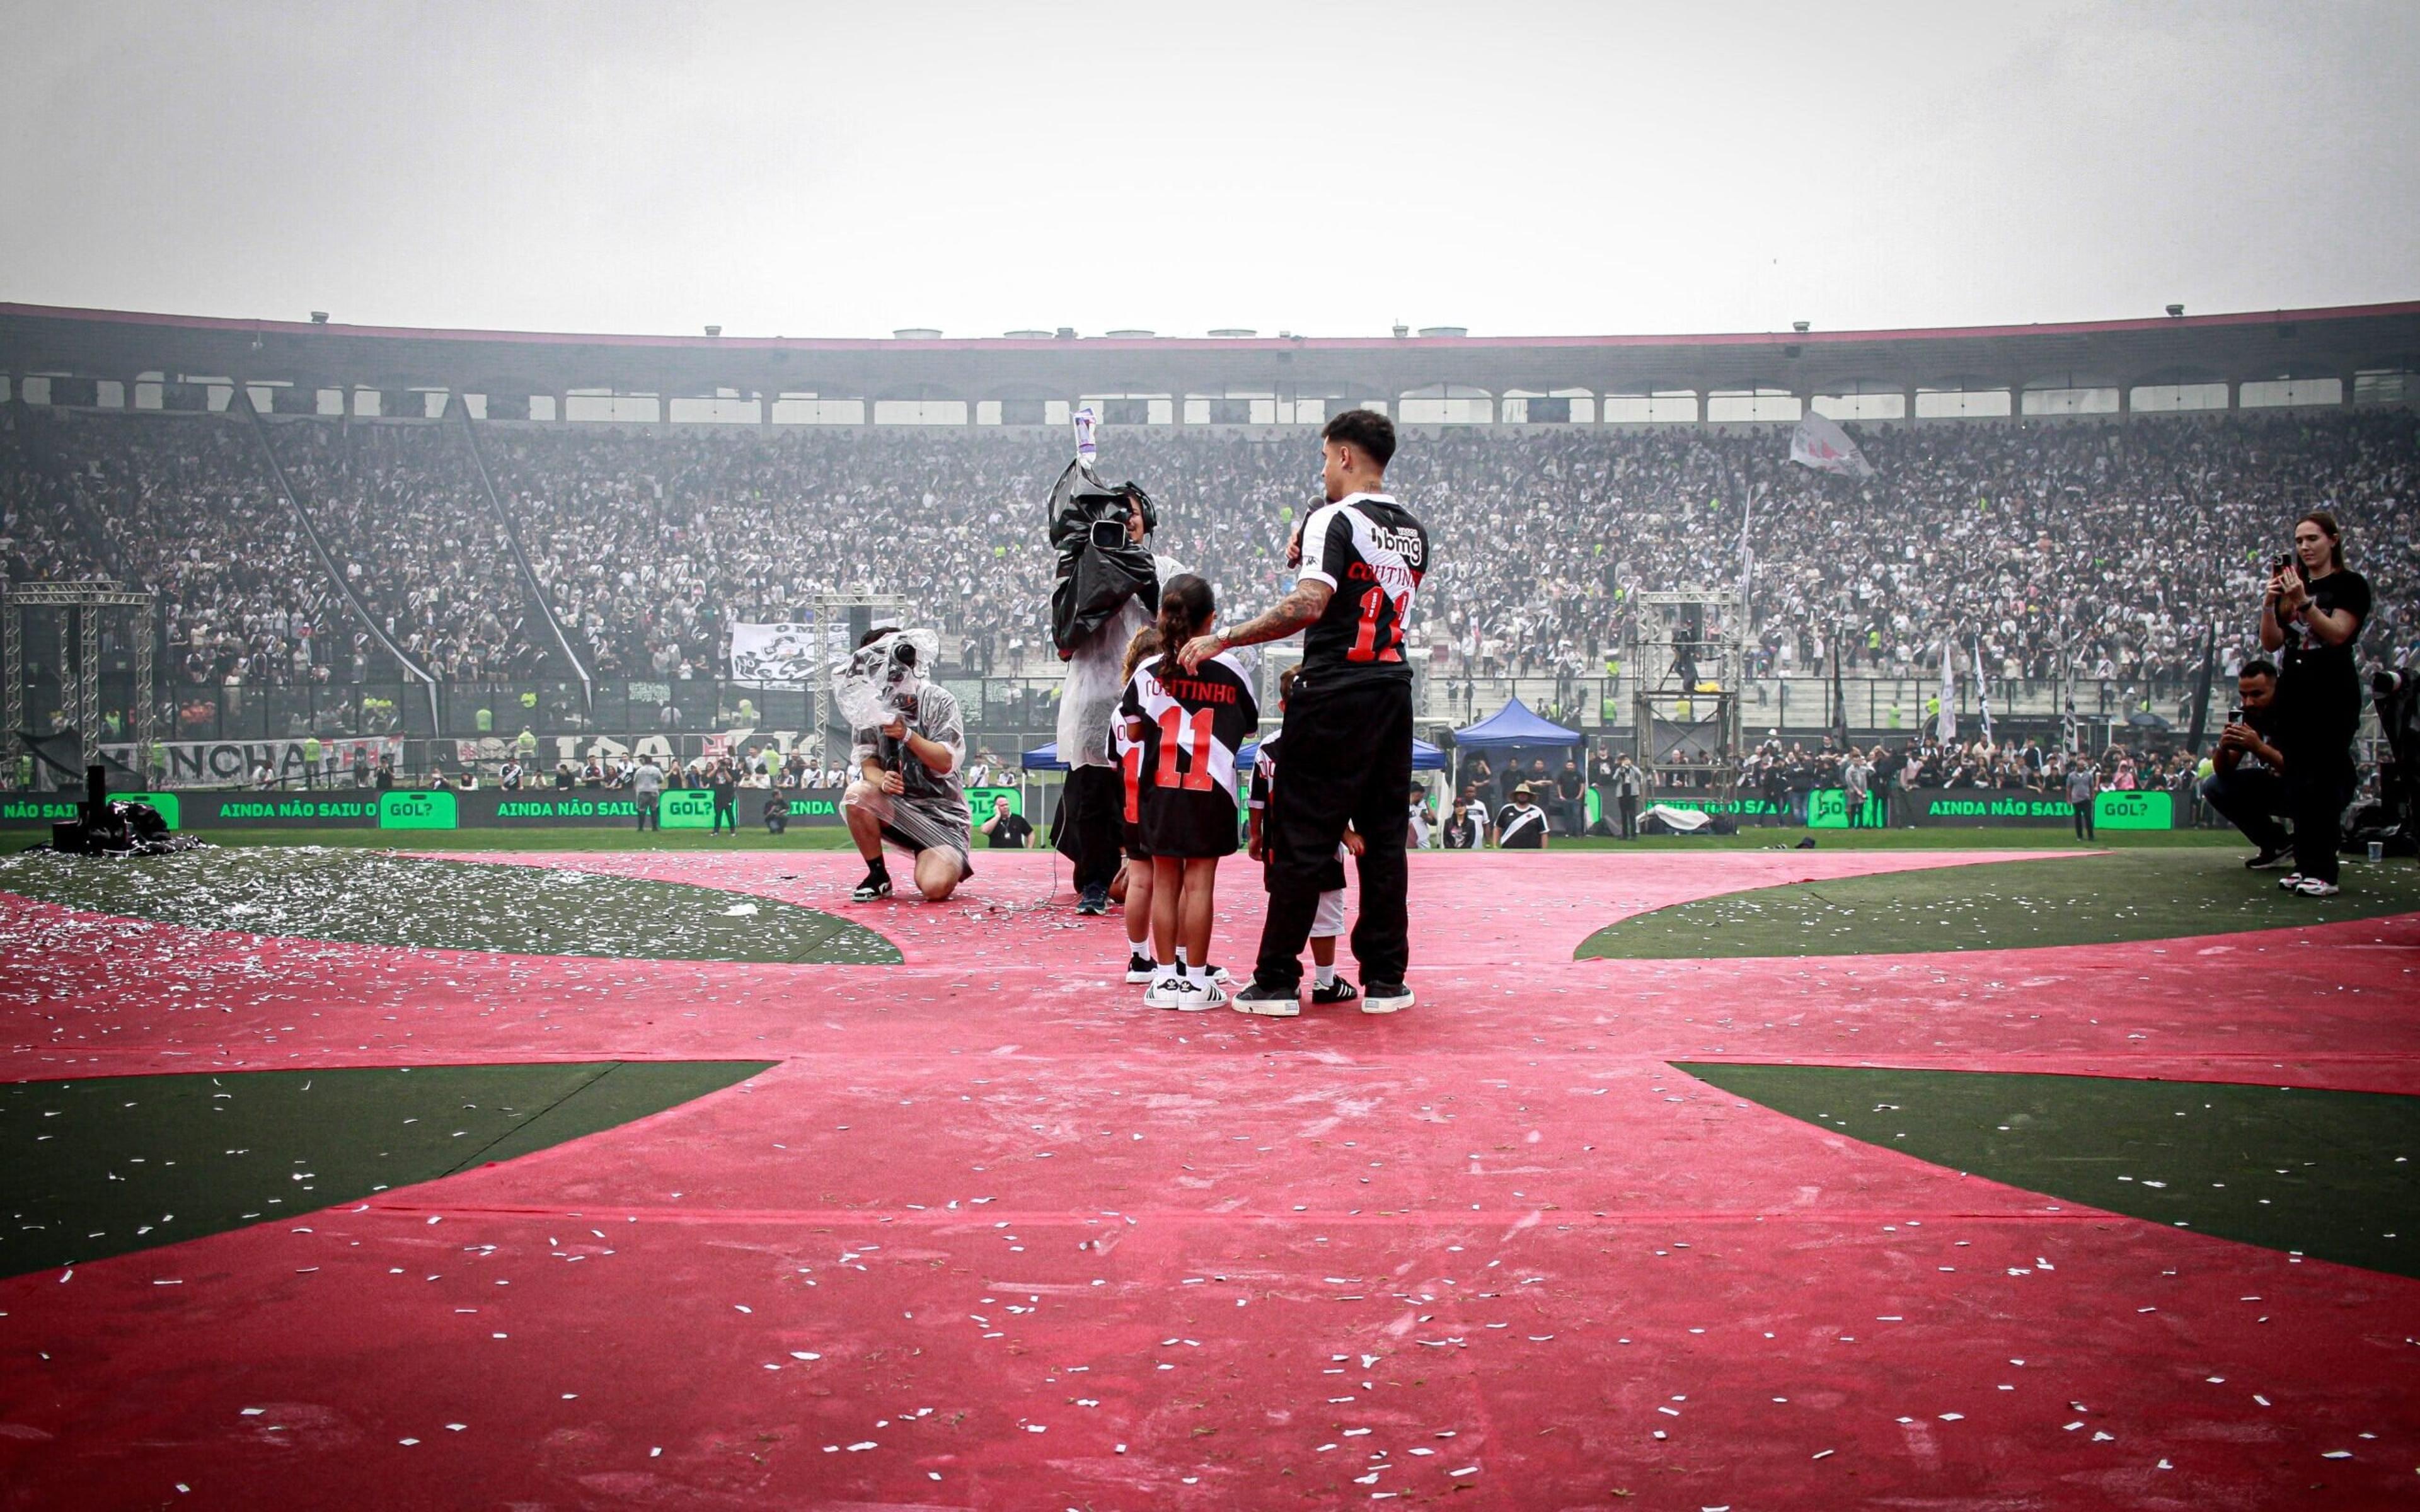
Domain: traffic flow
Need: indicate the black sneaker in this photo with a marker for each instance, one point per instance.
(1096, 899)
(876, 885)
(1269, 1002)
(1339, 990)
(1139, 971)
(1387, 997)
(2270, 861)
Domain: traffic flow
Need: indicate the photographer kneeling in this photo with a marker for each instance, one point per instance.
(2313, 613)
(2248, 787)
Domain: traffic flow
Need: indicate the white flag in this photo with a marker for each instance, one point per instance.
(1948, 729)
(1982, 694)
(1823, 445)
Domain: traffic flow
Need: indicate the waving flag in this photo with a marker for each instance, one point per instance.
(1948, 730)
(1983, 693)
(1823, 445)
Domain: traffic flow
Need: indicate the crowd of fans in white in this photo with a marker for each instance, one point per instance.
(2118, 543)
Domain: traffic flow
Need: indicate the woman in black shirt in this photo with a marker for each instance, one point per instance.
(2313, 615)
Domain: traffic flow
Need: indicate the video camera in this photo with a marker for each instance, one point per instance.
(1100, 565)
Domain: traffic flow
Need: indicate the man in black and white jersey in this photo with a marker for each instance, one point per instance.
(1348, 734)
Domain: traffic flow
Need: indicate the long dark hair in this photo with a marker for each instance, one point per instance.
(1185, 608)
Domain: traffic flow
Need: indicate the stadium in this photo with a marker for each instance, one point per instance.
(467, 1045)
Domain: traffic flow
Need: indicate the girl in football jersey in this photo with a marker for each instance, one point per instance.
(1188, 727)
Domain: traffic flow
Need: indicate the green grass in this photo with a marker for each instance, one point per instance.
(369, 898)
(2143, 894)
(2333, 1175)
(111, 1165)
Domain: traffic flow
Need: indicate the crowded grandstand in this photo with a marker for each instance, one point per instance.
(317, 554)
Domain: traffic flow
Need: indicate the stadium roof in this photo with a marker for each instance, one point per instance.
(2246, 346)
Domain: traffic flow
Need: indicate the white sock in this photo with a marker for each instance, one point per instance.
(1180, 956)
(1326, 975)
(1162, 971)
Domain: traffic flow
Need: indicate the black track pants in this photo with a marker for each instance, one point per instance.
(1093, 799)
(1348, 760)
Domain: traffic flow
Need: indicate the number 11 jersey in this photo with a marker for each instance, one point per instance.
(1372, 551)
(1193, 724)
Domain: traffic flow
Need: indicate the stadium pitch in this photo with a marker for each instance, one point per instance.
(1701, 1176)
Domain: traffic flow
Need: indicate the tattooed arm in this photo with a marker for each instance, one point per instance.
(1298, 609)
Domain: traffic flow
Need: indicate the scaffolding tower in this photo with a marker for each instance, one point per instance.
(83, 604)
(1687, 655)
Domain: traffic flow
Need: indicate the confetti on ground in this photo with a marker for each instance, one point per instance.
(808, 1250)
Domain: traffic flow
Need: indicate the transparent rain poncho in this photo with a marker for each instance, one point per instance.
(883, 681)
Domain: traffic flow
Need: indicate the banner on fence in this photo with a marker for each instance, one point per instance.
(430, 809)
(219, 764)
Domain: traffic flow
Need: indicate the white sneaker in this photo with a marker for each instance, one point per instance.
(1187, 995)
(2289, 882)
(1139, 969)
(2317, 887)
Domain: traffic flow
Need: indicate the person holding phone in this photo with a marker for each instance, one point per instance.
(2312, 615)
(2247, 786)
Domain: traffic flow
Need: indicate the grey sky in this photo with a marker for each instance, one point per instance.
(1325, 168)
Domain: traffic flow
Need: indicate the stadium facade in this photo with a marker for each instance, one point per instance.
(115, 359)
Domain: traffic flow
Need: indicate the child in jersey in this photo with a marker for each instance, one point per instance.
(1328, 922)
(1188, 727)
(1132, 885)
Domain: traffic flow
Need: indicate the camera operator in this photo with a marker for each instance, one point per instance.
(2313, 613)
(906, 791)
(2247, 787)
(1107, 589)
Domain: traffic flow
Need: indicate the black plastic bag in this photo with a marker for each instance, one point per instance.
(1099, 568)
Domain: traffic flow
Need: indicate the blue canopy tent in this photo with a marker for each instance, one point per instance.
(1042, 759)
(1515, 726)
(1518, 733)
(1425, 757)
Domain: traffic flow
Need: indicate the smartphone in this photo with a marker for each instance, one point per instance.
(2235, 714)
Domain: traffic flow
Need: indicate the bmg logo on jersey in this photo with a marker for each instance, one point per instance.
(1408, 545)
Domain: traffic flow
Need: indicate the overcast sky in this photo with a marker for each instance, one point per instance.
(1326, 169)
